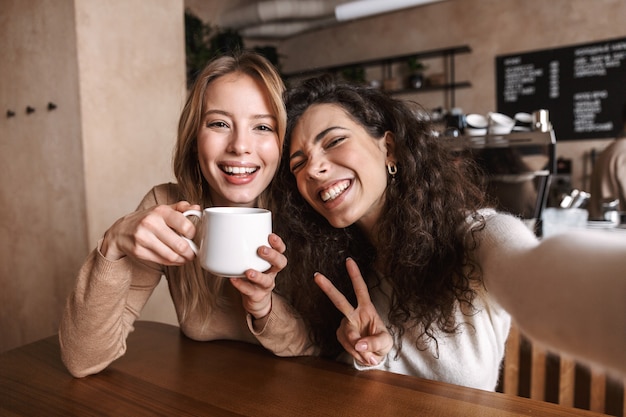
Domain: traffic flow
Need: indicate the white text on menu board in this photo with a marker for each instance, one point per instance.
(520, 79)
(594, 61)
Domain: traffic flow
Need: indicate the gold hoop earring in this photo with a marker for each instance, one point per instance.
(392, 168)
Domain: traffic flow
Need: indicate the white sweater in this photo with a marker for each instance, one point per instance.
(549, 289)
(471, 357)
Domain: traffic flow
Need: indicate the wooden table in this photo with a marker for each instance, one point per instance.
(164, 373)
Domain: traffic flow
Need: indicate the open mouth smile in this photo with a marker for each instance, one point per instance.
(238, 170)
(334, 191)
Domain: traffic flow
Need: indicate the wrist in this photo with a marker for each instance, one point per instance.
(265, 311)
(259, 317)
(258, 324)
(109, 250)
(261, 314)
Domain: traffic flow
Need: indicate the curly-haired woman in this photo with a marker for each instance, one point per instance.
(363, 179)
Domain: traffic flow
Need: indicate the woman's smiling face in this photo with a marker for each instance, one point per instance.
(238, 146)
(339, 168)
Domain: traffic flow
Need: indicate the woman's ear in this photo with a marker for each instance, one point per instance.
(390, 145)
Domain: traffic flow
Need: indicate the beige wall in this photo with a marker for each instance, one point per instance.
(42, 210)
(489, 27)
(132, 84)
(116, 71)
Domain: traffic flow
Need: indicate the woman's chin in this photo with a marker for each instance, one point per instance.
(339, 223)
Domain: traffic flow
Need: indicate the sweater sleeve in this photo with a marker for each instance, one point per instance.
(100, 312)
(107, 299)
(284, 332)
(567, 291)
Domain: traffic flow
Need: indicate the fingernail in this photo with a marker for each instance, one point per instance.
(373, 361)
(264, 250)
(361, 346)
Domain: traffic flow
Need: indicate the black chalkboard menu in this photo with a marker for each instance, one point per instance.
(583, 87)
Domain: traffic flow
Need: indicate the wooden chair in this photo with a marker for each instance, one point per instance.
(527, 363)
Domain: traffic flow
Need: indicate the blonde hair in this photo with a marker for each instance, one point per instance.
(193, 283)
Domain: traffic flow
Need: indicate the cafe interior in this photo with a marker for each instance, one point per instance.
(92, 92)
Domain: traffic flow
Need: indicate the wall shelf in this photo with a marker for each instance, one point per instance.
(386, 64)
(426, 88)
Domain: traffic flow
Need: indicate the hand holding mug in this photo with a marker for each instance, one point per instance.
(237, 242)
(256, 288)
(152, 235)
(362, 332)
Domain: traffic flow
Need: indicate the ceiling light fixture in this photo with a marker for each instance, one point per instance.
(364, 8)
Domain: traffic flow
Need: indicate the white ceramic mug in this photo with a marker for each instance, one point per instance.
(500, 124)
(229, 239)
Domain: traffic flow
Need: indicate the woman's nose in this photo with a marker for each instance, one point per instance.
(240, 142)
(317, 167)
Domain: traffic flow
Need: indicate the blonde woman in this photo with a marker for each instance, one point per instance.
(230, 138)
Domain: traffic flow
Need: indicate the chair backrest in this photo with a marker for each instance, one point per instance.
(531, 371)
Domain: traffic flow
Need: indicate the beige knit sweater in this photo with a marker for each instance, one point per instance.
(109, 296)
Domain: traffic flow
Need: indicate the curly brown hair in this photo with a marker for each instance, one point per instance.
(423, 246)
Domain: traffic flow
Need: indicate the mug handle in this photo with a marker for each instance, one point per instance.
(192, 244)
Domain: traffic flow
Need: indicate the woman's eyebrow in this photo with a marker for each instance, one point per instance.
(216, 111)
(264, 116)
(318, 137)
(228, 114)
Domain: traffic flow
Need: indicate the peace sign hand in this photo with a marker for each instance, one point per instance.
(362, 332)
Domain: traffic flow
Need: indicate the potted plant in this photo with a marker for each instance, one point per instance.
(197, 49)
(354, 74)
(416, 76)
(204, 42)
(225, 41)
(271, 53)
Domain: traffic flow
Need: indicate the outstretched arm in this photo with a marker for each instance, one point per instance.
(362, 332)
(567, 291)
